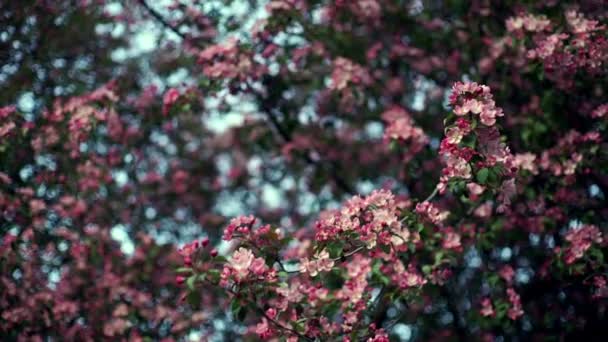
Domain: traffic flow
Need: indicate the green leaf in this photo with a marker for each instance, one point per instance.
(426, 269)
(194, 298)
(385, 248)
(235, 307)
(213, 275)
(190, 282)
(239, 312)
(335, 249)
(220, 258)
(242, 314)
(393, 145)
(597, 255)
(482, 175)
(184, 270)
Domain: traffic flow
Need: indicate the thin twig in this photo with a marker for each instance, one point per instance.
(262, 312)
(283, 267)
(349, 253)
(281, 326)
(161, 19)
(432, 195)
(330, 168)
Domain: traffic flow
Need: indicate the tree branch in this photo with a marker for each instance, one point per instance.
(161, 19)
(332, 170)
(432, 195)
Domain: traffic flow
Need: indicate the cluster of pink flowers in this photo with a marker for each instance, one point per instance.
(245, 229)
(528, 22)
(431, 212)
(526, 161)
(32, 307)
(347, 73)
(243, 265)
(229, 61)
(600, 111)
(507, 273)
(400, 126)
(6, 111)
(366, 9)
(469, 101)
(369, 219)
(516, 309)
(7, 125)
(188, 250)
(451, 240)
(580, 240)
(471, 97)
(353, 292)
(81, 114)
(70, 206)
(581, 46)
(241, 225)
(580, 25)
(264, 330)
(321, 262)
(379, 336)
(408, 277)
(83, 179)
(94, 175)
(547, 46)
(565, 157)
(274, 7)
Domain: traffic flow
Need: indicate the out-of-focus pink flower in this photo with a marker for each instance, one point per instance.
(170, 98)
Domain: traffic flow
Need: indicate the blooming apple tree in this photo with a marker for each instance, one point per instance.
(365, 170)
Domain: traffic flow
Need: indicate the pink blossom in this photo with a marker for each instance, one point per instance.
(6, 111)
(321, 262)
(240, 262)
(432, 212)
(601, 287)
(271, 313)
(451, 239)
(401, 127)
(368, 9)
(454, 135)
(170, 98)
(347, 72)
(515, 311)
(241, 224)
(475, 189)
(506, 192)
(410, 278)
(526, 161)
(476, 99)
(484, 210)
(379, 336)
(228, 61)
(528, 22)
(507, 273)
(580, 240)
(548, 46)
(263, 329)
(258, 266)
(6, 128)
(487, 309)
(600, 112)
(579, 24)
